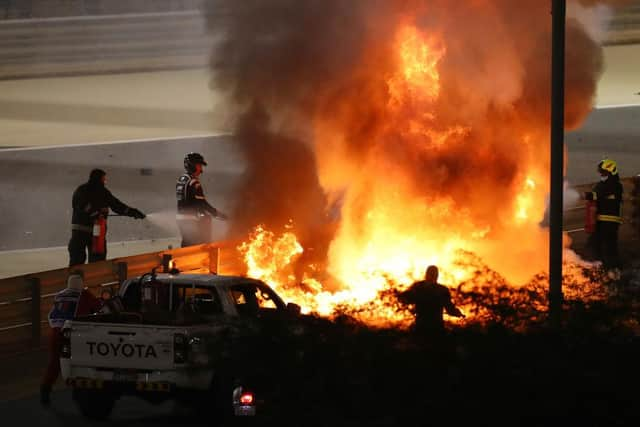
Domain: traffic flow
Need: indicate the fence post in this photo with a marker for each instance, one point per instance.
(214, 259)
(165, 262)
(34, 283)
(123, 269)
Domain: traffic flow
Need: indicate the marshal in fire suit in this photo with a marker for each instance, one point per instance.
(90, 202)
(72, 302)
(608, 197)
(194, 213)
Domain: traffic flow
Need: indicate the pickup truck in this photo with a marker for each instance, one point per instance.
(195, 338)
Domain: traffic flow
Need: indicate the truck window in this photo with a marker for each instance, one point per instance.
(131, 298)
(265, 300)
(251, 299)
(200, 300)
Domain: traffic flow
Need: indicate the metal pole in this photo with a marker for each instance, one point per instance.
(558, 13)
(214, 259)
(166, 258)
(123, 270)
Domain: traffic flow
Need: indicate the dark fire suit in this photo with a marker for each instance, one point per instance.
(608, 197)
(89, 201)
(194, 212)
(429, 299)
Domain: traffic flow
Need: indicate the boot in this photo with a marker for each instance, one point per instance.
(45, 395)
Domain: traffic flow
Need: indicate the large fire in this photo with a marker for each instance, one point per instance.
(390, 229)
(383, 136)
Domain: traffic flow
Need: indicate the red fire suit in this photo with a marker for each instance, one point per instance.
(68, 304)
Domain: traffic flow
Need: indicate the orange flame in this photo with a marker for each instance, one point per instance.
(390, 229)
(268, 256)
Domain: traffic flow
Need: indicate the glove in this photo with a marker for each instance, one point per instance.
(135, 213)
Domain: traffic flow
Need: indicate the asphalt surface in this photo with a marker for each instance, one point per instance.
(608, 132)
(129, 411)
(36, 187)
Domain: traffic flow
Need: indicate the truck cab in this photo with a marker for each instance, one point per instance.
(181, 336)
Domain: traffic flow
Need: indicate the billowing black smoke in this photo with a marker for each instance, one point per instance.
(287, 64)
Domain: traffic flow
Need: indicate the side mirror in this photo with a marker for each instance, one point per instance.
(293, 308)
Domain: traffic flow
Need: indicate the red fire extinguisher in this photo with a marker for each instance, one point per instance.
(590, 216)
(99, 235)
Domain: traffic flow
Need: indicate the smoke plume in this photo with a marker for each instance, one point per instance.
(328, 130)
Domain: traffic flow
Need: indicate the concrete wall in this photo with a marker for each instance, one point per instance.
(22, 9)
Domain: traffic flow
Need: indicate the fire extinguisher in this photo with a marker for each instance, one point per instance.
(590, 216)
(99, 235)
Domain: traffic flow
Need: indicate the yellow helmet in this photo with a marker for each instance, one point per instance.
(608, 165)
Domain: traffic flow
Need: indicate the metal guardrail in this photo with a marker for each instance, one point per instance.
(28, 9)
(25, 300)
(103, 44)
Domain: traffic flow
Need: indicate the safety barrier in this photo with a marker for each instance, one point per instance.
(25, 9)
(103, 44)
(26, 300)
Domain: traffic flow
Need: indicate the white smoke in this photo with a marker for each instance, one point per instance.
(595, 19)
(571, 196)
(165, 220)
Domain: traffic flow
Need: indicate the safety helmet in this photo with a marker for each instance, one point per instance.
(608, 165)
(191, 160)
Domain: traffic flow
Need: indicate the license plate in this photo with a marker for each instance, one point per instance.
(125, 376)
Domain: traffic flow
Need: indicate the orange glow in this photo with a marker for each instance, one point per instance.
(392, 227)
(418, 77)
(268, 256)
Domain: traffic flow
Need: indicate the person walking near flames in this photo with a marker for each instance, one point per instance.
(429, 299)
(91, 202)
(607, 195)
(194, 212)
(73, 301)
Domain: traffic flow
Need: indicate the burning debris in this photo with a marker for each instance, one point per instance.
(394, 135)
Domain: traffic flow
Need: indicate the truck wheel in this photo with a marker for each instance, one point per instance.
(93, 404)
